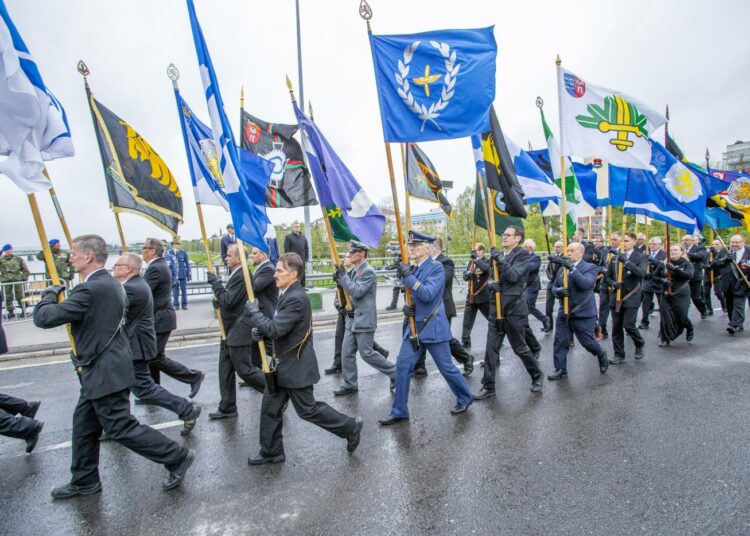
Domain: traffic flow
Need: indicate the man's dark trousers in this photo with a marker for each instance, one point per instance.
(170, 367)
(145, 389)
(12, 425)
(236, 360)
(583, 328)
(622, 322)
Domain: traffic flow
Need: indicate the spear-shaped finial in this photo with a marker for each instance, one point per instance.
(558, 61)
(290, 87)
(242, 97)
(310, 109)
(667, 113)
(83, 69)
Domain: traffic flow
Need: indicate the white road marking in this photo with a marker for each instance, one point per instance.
(15, 386)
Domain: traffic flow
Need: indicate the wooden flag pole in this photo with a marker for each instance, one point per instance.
(48, 260)
(366, 13)
(407, 197)
(123, 244)
(546, 237)
(563, 186)
(58, 209)
(620, 265)
(251, 297)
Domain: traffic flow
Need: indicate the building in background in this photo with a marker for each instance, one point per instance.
(737, 156)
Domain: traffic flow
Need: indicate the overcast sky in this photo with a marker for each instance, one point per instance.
(693, 55)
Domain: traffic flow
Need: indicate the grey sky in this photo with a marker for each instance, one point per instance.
(692, 55)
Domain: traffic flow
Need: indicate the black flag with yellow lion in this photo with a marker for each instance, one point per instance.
(138, 180)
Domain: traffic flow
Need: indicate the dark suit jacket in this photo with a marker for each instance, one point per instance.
(159, 279)
(291, 332)
(532, 282)
(94, 310)
(730, 278)
(3, 341)
(478, 272)
(581, 281)
(513, 280)
(226, 241)
(589, 251)
(449, 268)
(632, 276)
(232, 299)
(698, 256)
(297, 244)
(139, 322)
(649, 285)
(264, 288)
(681, 275)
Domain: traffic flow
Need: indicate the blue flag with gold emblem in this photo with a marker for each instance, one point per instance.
(435, 85)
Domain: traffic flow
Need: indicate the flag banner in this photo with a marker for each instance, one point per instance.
(33, 124)
(203, 159)
(673, 148)
(500, 172)
(669, 192)
(735, 199)
(537, 186)
(585, 174)
(434, 85)
(422, 180)
(502, 220)
(138, 180)
(290, 181)
(718, 218)
(600, 122)
(351, 213)
(245, 177)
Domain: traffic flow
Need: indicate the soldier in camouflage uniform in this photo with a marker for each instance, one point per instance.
(64, 271)
(13, 270)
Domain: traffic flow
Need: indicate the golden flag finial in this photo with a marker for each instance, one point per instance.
(558, 61)
(290, 87)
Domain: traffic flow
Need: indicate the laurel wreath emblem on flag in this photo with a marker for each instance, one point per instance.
(432, 112)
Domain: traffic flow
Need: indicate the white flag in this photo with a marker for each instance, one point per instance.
(603, 123)
(33, 126)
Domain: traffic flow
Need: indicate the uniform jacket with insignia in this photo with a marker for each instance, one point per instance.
(427, 283)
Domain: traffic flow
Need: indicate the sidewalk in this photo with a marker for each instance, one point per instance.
(195, 324)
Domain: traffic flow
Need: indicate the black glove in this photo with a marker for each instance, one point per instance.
(212, 278)
(616, 285)
(668, 283)
(495, 286)
(409, 310)
(252, 307)
(473, 255)
(724, 260)
(562, 292)
(648, 275)
(338, 306)
(339, 273)
(555, 259)
(256, 334)
(622, 257)
(467, 276)
(350, 313)
(602, 269)
(495, 253)
(403, 269)
(567, 263)
(53, 290)
(671, 266)
(653, 262)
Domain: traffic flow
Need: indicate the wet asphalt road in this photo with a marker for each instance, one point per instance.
(659, 446)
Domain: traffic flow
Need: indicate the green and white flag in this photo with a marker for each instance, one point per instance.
(599, 122)
(575, 206)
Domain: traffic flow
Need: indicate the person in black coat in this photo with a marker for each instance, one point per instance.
(226, 241)
(457, 350)
(139, 327)
(712, 277)
(674, 277)
(265, 291)
(608, 254)
(698, 255)
(234, 352)
(295, 242)
(656, 256)
(553, 266)
(290, 329)
(477, 275)
(633, 265)
(735, 271)
(17, 419)
(165, 320)
(581, 319)
(3, 340)
(96, 312)
(533, 285)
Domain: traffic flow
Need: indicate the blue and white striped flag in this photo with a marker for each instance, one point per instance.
(33, 125)
(242, 183)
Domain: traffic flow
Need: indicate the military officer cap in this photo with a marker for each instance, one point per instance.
(415, 237)
(53, 242)
(355, 246)
(6, 247)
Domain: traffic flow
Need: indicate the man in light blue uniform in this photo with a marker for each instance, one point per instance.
(425, 281)
(182, 271)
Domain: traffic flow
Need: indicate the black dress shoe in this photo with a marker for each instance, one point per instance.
(31, 409)
(605, 334)
(262, 460)
(460, 408)
(191, 420)
(333, 370)
(642, 325)
(385, 353)
(419, 373)
(392, 387)
(603, 363)
(390, 308)
(352, 442)
(469, 366)
(689, 335)
(536, 384)
(663, 343)
(639, 353)
(178, 475)
(71, 490)
(196, 385)
(216, 415)
(710, 312)
(536, 354)
(617, 360)
(557, 375)
(704, 315)
(139, 402)
(243, 384)
(484, 393)
(392, 420)
(31, 441)
(345, 391)
(466, 344)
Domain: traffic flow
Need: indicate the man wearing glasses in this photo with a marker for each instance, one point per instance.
(513, 264)
(165, 321)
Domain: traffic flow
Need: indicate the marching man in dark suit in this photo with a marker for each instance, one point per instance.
(698, 255)
(608, 253)
(235, 352)
(158, 278)
(361, 283)
(265, 291)
(139, 327)
(296, 366)
(17, 419)
(295, 242)
(477, 274)
(513, 264)
(96, 311)
(426, 282)
(735, 271)
(581, 319)
(533, 285)
(712, 277)
(552, 268)
(656, 257)
(624, 313)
